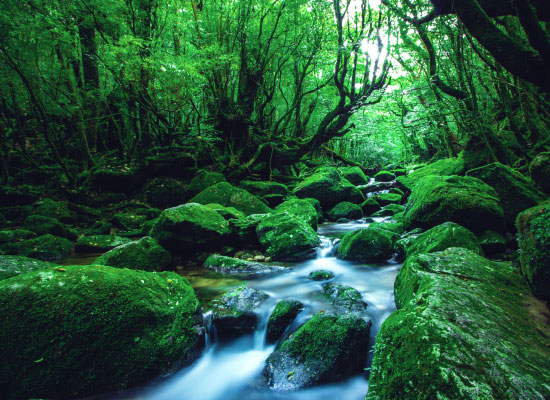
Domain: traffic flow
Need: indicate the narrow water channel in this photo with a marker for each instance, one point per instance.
(232, 370)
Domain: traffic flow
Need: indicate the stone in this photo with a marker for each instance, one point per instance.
(229, 196)
(345, 298)
(492, 243)
(203, 180)
(366, 245)
(354, 175)
(54, 209)
(99, 243)
(243, 231)
(346, 210)
(15, 235)
(165, 192)
(42, 225)
(321, 275)
(129, 221)
(230, 265)
(17, 265)
(445, 167)
(46, 247)
(384, 176)
(263, 188)
(388, 198)
(226, 212)
(301, 209)
(281, 317)
(370, 206)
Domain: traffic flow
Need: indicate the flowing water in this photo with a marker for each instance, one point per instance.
(232, 370)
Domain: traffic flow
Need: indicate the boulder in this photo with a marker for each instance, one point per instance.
(388, 198)
(15, 235)
(365, 245)
(384, 176)
(243, 231)
(516, 192)
(42, 225)
(465, 200)
(264, 188)
(99, 243)
(226, 212)
(45, 247)
(534, 243)
(465, 328)
(302, 209)
(345, 298)
(445, 167)
(491, 242)
(354, 175)
(79, 331)
(287, 238)
(203, 180)
(189, 227)
(375, 187)
(325, 349)
(317, 205)
(54, 209)
(230, 265)
(389, 210)
(370, 206)
(281, 317)
(329, 187)
(395, 227)
(17, 265)
(145, 254)
(321, 275)
(229, 196)
(165, 192)
(539, 169)
(345, 210)
(129, 221)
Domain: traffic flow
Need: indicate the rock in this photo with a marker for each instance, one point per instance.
(17, 265)
(187, 228)
(230, 265)
(346, 210)
(388, 198)
(442, 237)
(395, 227)
(165, 192)
(282, 316)
(54, 209)
(203, 180)
(465, 200)
(370, 206)
(273, 200)
(263, 188)
(396, 191)
(45, 247)
(534, 243)
(375, 187)
(226, 212)
(384, 176)
(121, 180)
(325, 349)
(80, 330)
(475, 326)
(42, 225)
(145, 254)
(17, 214)
(345, 298)
(329, 188)
(399, 171)
(445, 167)
(321, 275)
(229, 196)
(389, 210)
(491, 242)
(129, 221)
(15, 235)
(539, 169)
(287, 238)
(370, 244)
(243, 231)
(233, 315)
(516, 192)
(98, 243)
(354, 175)
(301, 209)
(317, 205)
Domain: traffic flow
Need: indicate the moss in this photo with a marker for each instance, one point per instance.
(492, 243)
(384, 176)
(321, 275)
(301, 209)
(539, 169)
(42, 225)
(226, 212)
(16, 265)
(15, 235)
(281, 317)
(395, 227)
(463, 330)
(345, 298)
(445, 167)
(370, 244)
(129, 221)
(95, 243)
(243, 231)
(346, 210)
(287, 238)
(388, 198)
(145, 254)
(203, 180)
(45, 247)
(54, 209)
(354, 175)
(396, 191)
(229, 196)
(81, 330)
(263, 188)
(165, 192)
(466, 201)
(230, 265)
(317, 205)
(370, 206)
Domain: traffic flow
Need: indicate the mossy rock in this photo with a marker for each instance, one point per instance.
(165, 192)
(190, 227)
(17, 265)
(145, 254)
(325, 349)
(370, 206)
(97, 243)
(534, 243)
(226, 212)
(395, 227)
(389, 210)
(466, 201)
(230, 265)
(44, 247)
(539, 169)
(321, 275)
(354, 175)
(396, 191)
(203, 180)
(243, 231)
(129, 221)
(287, 238)
(442, 237)
(17, 196)
(229, 196)
(80, 330)
(300, 208)
(365, 245)
(445, 167)
(388, 198)
(491, 242)
(54, 209)
(346, 210)
(329, 187)
(263, 188)
(42, 225)
(474, 325)
(344, 298)
(281, 317)
(384, 176)
(317, 205)
(516, 192)
(15, 235)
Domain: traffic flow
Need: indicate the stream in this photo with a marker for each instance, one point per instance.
(232, 370)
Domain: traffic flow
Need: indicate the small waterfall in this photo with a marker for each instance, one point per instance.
(211, 334)
(326, 247)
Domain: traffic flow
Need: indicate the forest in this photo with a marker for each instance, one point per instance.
(275, 199)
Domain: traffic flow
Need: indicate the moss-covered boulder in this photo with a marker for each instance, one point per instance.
(466, 328)
(77, 331)
(54, 209)
(189, 227)
(281, 317)
(98, 243)
(389, 210)
(388, 198)
(465, 200)
(370, 206)
(300, 208)
(165, 192)
(45, 247)
(317, 205)
(534, 243)
(287, 238)
(345, 210)
(492, 243)
(234, 313)
(516, 192)
(345, 298)
(370, 244)
(384, 176)
(229, 196)
(243, 231)
(442, 237)
(354, 175)
(145, 254)
(325, 349)
(230, 265)
(329, 187)
(17, 265)
(203, 180)
(264, 188)
(445, 167)
(226, 212)
(321, 275)
(539, 169)
(42, 225)
(375, 187)
(15, 235)
(392, 226)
